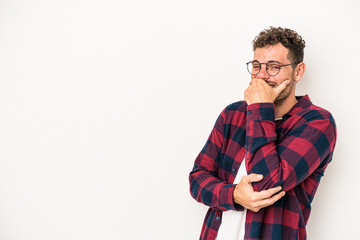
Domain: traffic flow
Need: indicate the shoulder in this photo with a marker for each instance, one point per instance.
(236, 106)
(234, 113)
(315, 112)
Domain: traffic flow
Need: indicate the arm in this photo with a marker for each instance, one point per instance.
(207, 188)
(308, 145)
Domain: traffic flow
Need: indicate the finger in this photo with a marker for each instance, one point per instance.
(270, 201)
(281, 87)
(257, 81)
(253, 177)
(268, 193)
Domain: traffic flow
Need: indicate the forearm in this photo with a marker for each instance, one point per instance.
(211, 191)
(205, 185)
(287, 162)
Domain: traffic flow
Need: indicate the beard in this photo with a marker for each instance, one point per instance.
(285, 93)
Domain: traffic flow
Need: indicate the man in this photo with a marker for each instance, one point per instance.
(261, 166)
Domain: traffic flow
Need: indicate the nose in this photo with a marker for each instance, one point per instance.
(263, 73)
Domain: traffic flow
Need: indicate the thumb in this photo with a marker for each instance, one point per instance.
(254, 177)
(281, 87)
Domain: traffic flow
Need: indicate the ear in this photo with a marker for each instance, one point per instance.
(299, 71)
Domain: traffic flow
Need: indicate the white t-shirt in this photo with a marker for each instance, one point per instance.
(233, 222)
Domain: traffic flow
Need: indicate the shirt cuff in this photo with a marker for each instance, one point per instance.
(261, 112)
(227, 200)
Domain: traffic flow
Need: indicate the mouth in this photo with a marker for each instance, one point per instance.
(271, 84)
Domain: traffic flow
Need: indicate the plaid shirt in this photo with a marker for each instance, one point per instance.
(292, 152)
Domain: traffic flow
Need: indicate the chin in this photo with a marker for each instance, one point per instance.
(279, 101)
(284, 94)
(282, 97)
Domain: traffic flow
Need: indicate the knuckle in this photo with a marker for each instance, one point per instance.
(269, 194)
(277, 197)
(243, 180)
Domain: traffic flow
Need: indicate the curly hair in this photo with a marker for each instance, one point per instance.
(287, 37)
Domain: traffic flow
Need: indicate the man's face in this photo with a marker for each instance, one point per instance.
(280, 54)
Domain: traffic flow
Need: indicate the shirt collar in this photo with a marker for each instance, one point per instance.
(304, 102)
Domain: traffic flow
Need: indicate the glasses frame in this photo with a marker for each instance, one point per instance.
(280, 66)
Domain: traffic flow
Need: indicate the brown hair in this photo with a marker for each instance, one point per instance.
(287, 37)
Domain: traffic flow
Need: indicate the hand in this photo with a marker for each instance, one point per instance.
(259, 91)
(245, 195)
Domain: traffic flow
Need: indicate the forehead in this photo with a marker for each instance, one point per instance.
(275, 52)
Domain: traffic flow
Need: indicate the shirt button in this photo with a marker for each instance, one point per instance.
(233, 170)
(249, 112)
(218, 218)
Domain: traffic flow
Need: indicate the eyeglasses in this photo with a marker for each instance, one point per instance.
(272, 67)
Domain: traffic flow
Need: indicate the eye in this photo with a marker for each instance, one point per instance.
(256, 66)
(274, 67)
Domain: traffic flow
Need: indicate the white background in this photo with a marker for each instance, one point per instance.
(105, 105)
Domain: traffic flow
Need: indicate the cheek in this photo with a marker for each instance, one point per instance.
(277, 79)
(283, 78)
(287, 75)
(290, 86)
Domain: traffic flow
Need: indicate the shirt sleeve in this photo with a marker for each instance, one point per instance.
(205, 186)
(308, 145)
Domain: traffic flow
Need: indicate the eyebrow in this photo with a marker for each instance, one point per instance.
(268, 61)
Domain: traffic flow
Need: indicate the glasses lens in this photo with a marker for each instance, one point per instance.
(272, 68)
(254, 67)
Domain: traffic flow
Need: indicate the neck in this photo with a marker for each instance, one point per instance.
(283, 107)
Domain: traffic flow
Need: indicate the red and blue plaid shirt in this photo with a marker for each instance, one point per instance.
(292, 152)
